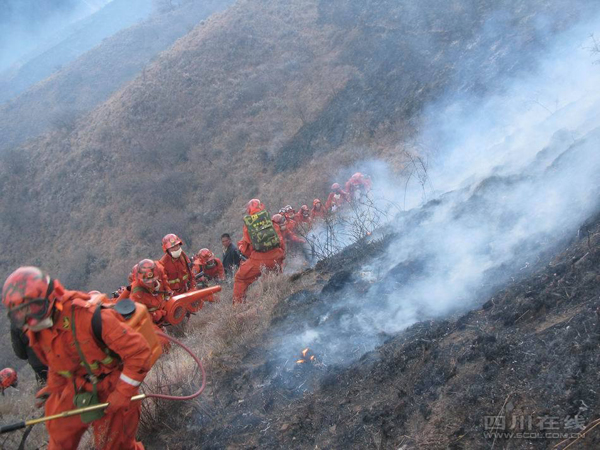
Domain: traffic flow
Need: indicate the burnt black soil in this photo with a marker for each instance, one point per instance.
(529, 353)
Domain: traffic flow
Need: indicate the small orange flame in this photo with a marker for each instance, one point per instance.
(300, 361)
(312, 358)
(305, 351)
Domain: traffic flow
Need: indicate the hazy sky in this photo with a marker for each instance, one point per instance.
(24, 24)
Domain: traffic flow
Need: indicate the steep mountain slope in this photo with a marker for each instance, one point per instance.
(268, 99)
(58, 101)
(527, 353)
(70, 43)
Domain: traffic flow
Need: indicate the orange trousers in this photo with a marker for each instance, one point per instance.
(251, 269)
(111, 432)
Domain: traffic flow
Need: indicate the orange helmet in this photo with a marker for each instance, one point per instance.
(335, 187)
(8, 378)
(205, 255)
(170, 241)
(147, 273)
(254, 206)
(29, 294)
(316, 201)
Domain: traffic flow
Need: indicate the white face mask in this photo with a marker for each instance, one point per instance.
(176, 254)
(42, 325)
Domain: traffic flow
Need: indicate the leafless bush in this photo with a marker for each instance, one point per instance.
(417, 168)
(348, 225)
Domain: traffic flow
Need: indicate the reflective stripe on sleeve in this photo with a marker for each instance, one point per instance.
(130, 381)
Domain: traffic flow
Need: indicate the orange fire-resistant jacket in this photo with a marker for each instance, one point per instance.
(55, 346)
(155, 302)
(320, 214)
(217, 272)
(178, 273)
(336, 200)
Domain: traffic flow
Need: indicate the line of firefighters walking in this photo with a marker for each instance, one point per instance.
(88, 343)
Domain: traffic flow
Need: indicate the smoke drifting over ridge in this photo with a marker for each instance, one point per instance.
(24, 24)
(511, 174)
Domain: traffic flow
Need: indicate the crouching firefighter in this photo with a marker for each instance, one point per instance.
(261, 244)
(151, 290)
(92, 353)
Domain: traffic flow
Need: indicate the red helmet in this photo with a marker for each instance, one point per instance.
(29, 294)
(147, 273)
(304, 208)
(8, 378)
(335, 187)
(316, 201)
(170, 241)
(254, 206)
(278, 219)
(357, 176)
(205, 255)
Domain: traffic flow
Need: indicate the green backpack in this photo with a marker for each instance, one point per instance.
(261, 231)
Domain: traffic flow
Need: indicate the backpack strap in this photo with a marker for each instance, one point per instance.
(97, 325)
(93, 378)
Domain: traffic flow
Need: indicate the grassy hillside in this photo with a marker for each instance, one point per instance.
(58, 101)
(267, 99)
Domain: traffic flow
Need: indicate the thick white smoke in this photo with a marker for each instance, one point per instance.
(509, 176)
(26, 25)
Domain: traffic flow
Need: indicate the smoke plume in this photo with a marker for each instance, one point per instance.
(509, 176)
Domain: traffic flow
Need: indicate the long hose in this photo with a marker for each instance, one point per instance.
(196, 359)
(74, 412)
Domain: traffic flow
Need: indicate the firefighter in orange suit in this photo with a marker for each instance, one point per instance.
(208, 264)
(149, 288)
(176, 265)
(337, 198)
(261, 244)
(59, 328)
(317, 211)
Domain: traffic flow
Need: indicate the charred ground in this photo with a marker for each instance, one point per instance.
(529, 349)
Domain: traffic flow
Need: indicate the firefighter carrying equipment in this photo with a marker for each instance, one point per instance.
(137, 317)
(261, 231)
(101, 406)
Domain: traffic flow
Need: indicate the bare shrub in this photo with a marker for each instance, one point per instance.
(349, 225)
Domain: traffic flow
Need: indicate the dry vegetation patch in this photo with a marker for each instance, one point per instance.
(216, 335)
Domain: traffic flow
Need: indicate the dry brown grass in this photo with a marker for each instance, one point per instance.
(17, 405)
(214, 334)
